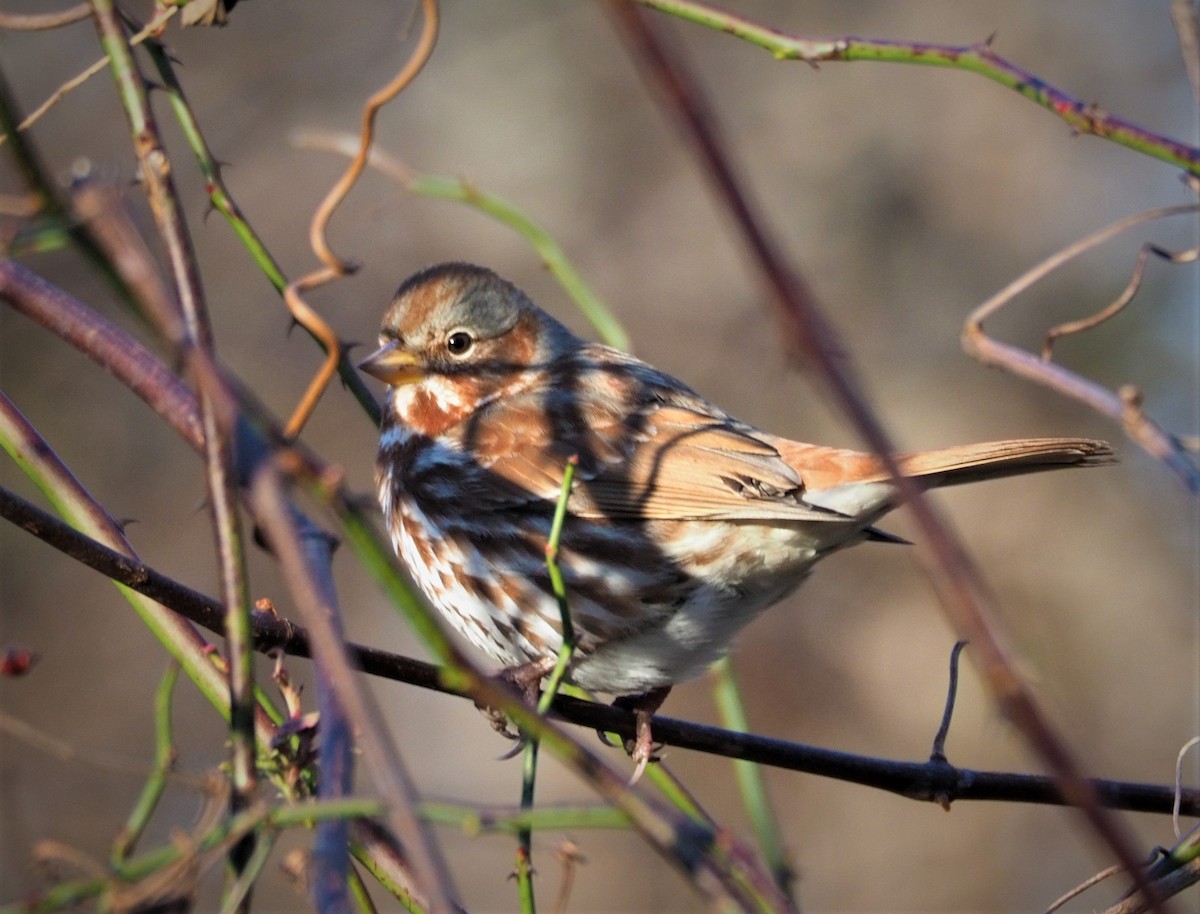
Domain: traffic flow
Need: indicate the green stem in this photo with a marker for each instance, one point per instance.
(238, 894)
(566, 649)
(553, 256)
(156, 783)
(472, 820)
(750, 781)
(227, 832)
(358, 891)
(1081, 116)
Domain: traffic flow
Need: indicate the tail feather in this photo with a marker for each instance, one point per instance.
(997, 459)
(824, 468)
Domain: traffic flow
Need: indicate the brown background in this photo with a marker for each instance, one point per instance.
(906, 194)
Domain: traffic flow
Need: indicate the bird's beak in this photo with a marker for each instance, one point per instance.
(392, 365)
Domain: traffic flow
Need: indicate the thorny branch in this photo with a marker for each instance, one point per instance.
(1081, 116)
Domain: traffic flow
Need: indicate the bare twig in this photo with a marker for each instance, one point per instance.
(36, 22)
(153, 27)
(1118, 304)
(1122, 406)
(1190, 744)
(1082, 887)
(938, 753)
(1187, 26)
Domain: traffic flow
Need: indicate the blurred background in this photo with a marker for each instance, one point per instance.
(906, 195)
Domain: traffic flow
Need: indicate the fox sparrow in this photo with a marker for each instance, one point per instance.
(682, 523)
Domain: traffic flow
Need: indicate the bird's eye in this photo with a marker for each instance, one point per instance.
(459, 342)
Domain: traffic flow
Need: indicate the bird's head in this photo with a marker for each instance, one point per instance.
(455, 337)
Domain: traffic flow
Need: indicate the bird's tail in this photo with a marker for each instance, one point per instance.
(997, 459)
(827, 467)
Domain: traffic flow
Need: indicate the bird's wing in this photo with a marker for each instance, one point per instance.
(662, 460)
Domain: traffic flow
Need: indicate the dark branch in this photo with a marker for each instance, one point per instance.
(932, 781)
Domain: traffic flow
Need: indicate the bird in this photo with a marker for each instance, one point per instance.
(682, 522)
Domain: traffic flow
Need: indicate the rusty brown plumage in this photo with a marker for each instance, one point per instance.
(683, 522)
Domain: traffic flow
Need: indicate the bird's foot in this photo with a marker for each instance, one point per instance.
(526, 678)
(641, 747)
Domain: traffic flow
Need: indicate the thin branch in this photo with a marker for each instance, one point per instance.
(812, 343)
(217, 410)
(37, 22)
(330, 852)
(1121, 406)
(153, 27)
(1187, 26)
(135, 366)
(280, 526)
(1078, 890)
(915, 780)
(938, 753)
(1082, 117)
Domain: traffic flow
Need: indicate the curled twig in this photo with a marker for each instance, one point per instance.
(1124, 406)
(1119, 303)
(334, 266)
